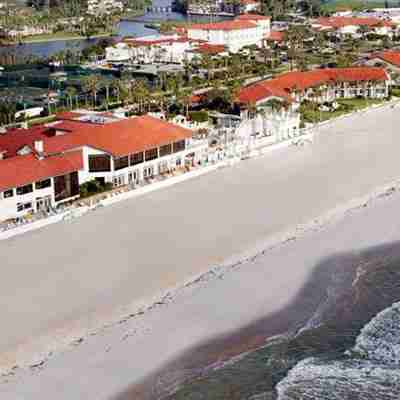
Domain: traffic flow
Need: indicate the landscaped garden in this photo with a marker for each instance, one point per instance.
(312, 112)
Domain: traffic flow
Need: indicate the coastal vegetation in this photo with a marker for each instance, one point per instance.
(312, 112)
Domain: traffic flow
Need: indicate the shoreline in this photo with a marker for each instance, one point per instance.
(265, 245)
(173, 295)
(58, 39)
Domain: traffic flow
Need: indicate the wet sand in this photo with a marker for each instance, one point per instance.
(68, 279)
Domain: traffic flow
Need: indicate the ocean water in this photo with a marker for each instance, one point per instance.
(348, 347)
(370, 370)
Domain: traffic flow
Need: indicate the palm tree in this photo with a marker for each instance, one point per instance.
(106, 84)
(71, 92)
(91, 85)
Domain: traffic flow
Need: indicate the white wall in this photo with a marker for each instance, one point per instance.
(8, 206)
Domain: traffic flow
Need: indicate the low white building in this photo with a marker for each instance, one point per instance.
(30, 183)
(354, 26)
(152, 49)
(321, 85)
(98, 7)
(245, 30)
(120, 52)
(249, 6)
(269, 127)
(47, 166)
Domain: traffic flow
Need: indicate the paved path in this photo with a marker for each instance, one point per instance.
(69, 276)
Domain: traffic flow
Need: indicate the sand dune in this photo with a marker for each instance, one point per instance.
(68, 279)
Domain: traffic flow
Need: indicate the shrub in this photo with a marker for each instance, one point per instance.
(395, 92)
(199, 116)
(94, 187)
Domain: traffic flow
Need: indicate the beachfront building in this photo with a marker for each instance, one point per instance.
(354, 26)
(268, 127)
(31, 182)
(321, 85)
(389, 59)
(245, 30)
(45, 166)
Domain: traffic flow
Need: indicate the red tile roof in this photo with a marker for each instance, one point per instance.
(340, 22)
(284, 84)
(391, 57)
(153, 42)
(22, 170)
(224, 25)
(211, 48)
(117, 138)
(275, 36)
(252, 17)
(68, 115)
(15, 139)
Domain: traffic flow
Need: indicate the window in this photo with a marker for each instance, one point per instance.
(99, 163)
(179, 146)
(122, 162)
(163, 167)
(136, 158)
(25, 189)
(165, 150)
(119, 180)
(148, 172)
(24, 206)
(151, 154)
(66, 186)
(8, 193)
(43, 184)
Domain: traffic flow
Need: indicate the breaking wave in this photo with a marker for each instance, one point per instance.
(369, 371)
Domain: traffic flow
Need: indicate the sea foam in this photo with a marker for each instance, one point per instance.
(369, 371)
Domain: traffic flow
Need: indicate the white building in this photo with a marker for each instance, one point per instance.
(30, 183)
(269, 127)
(354, 26)
(321, 85)
(246, 30)
(45, 166)
(248, 6)
(98, 7)
(152, 49)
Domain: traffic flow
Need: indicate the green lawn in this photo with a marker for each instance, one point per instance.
(338, 5)
(60, 36)
(41, 120)
(346, 106)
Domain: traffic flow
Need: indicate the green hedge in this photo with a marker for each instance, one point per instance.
(94, 187)
(199, 116)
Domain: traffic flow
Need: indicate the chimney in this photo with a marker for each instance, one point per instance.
(39, 148)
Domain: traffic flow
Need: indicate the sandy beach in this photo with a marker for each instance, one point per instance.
(68, 280)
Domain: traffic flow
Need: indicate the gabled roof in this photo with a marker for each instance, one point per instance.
(252, 17)
(283, 85)
(340, 22)
(211, 48)
(391, 57)
(23, 170)
(275, 36)
(224, 25)
(153, 42)
(118, 138)
(15, 139)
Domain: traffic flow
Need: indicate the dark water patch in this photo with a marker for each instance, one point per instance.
(343, 294)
